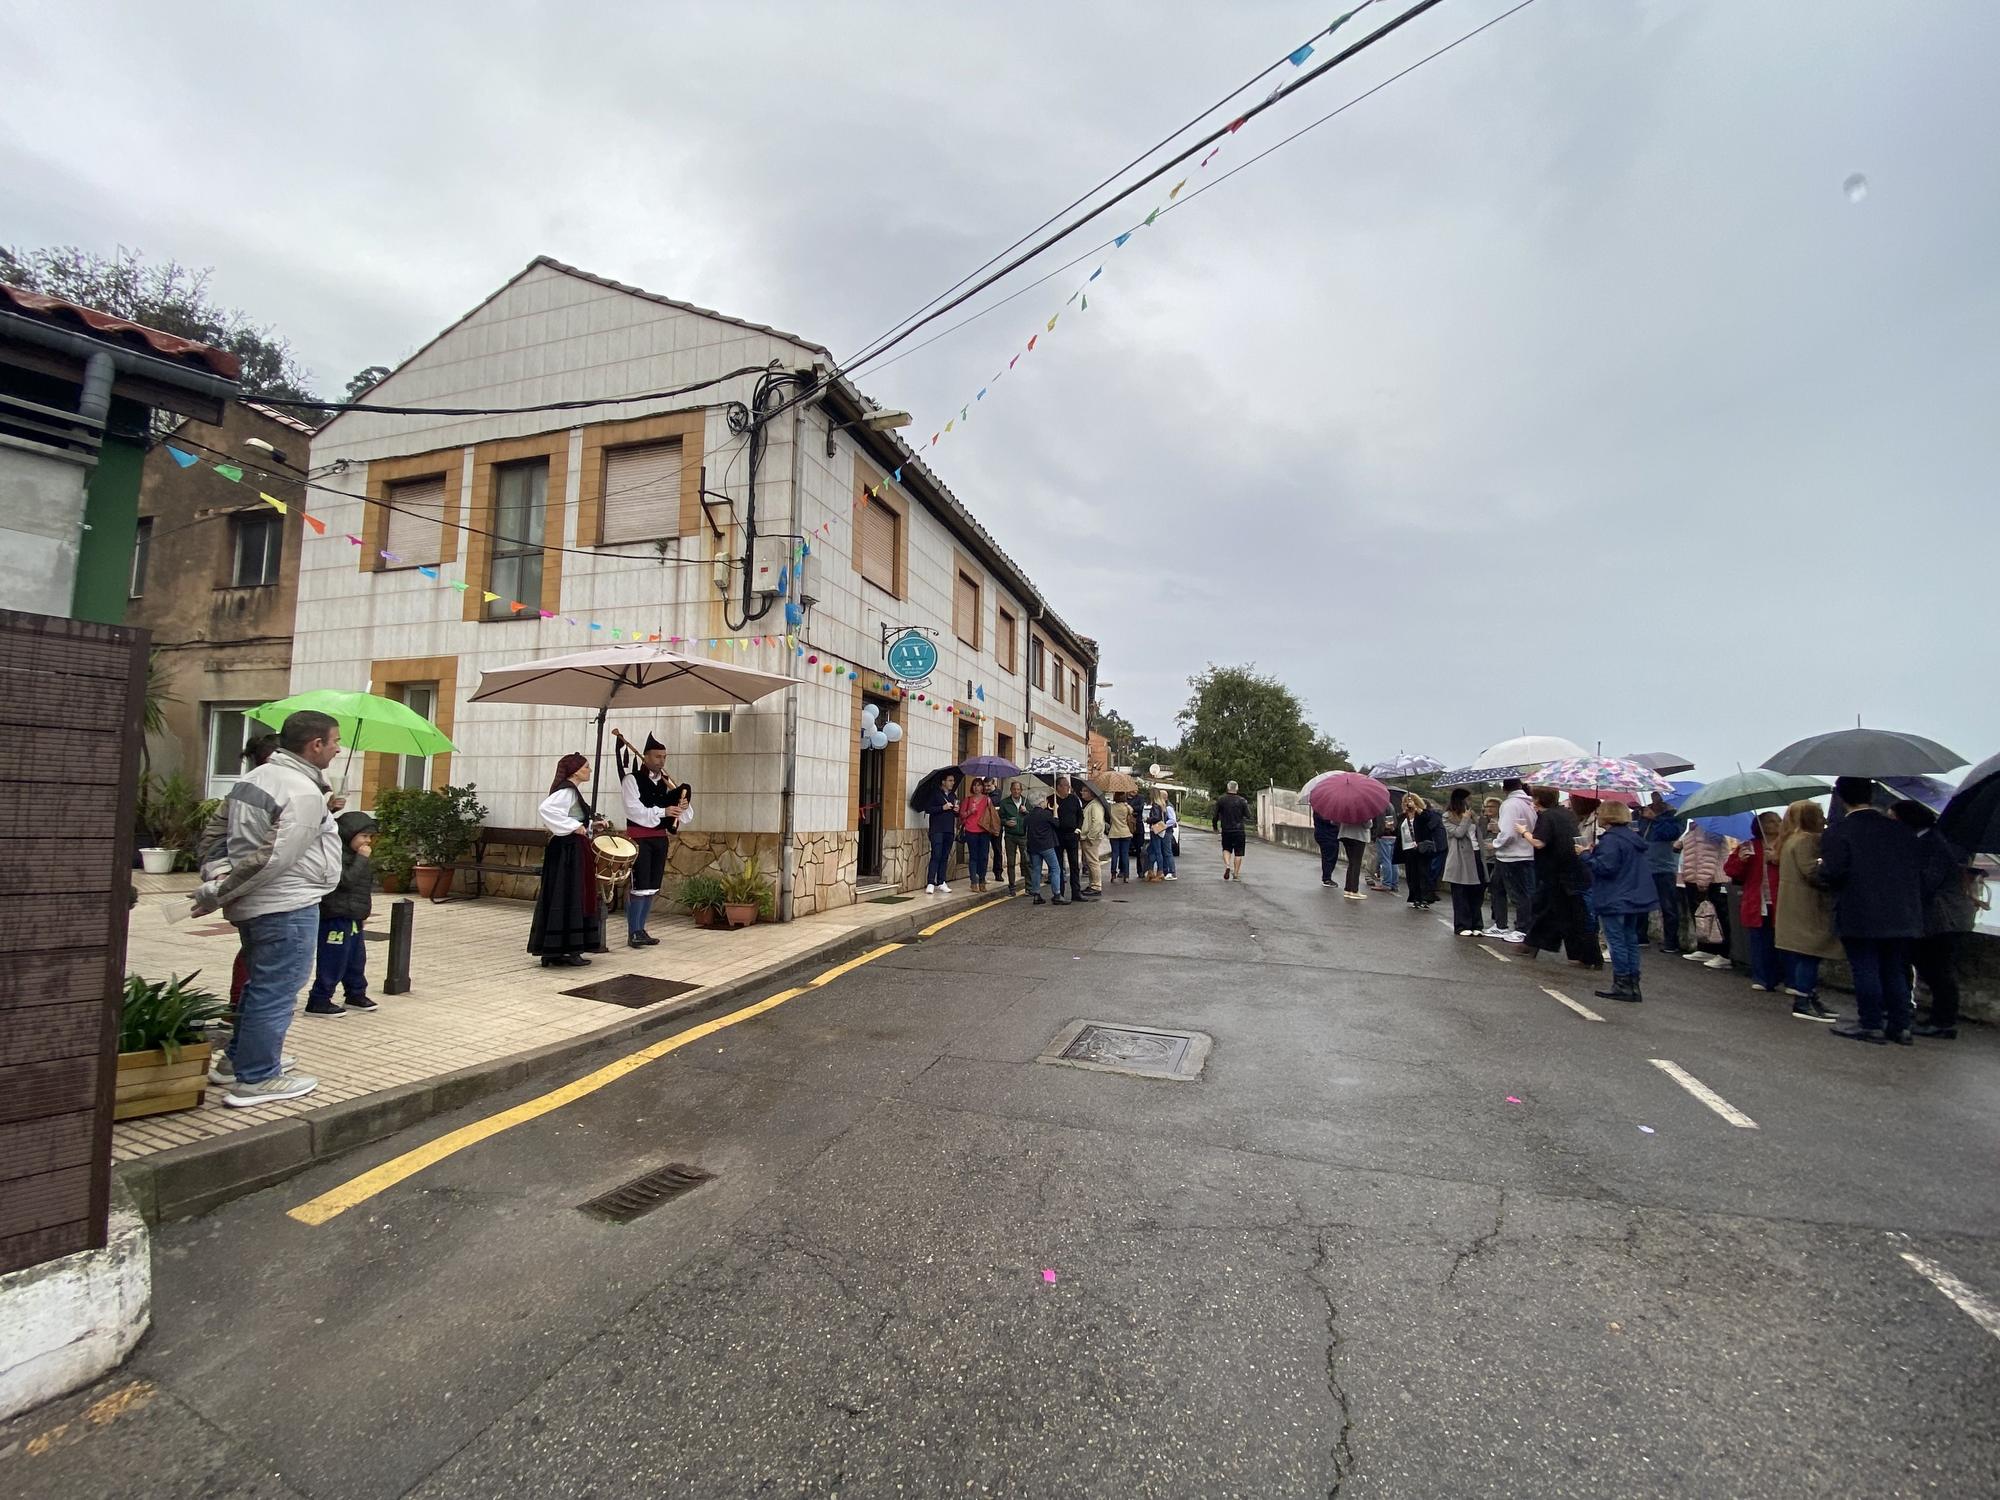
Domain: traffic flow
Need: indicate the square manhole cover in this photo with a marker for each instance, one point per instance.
(631, 990)
(1142, 1050)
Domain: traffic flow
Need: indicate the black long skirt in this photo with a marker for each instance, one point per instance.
(1561, 920)
(566, 915)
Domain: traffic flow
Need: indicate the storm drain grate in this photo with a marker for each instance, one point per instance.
(631, 990)
(1145, 1051)
(644, 1194)
(887, 900)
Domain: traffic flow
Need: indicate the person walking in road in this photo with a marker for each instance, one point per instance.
(1702, 854)
(1420, 837)
(942, 811)
(1949, 914)
(1804, 931)
(1385, 851)
(1069, 833)
(1622, 882)
(1462, 870)
(1514, 852)
(1014, 834)
(1118, 825)
(1560, 878)
(1660, 828)
(1753, 866)
(343, 952)
(1327, 836)
(284, 856)
(975, 811)
(1044, 852)
(1354, 843)
(1874, 867)
(1232, 820)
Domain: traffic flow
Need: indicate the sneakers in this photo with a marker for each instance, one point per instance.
(1169, 877)
(363, 1005)
(324, 1008)
(1469, 932)
(1354, 895)
(1695, 956)
(1717, 962)
(222, 1070)
(1762, 989)
(1041, 900)
(278, 1087)
(1514, 935)
(1806, 1008)
(1496, 932)
(1225, 872)
(944, 890)
(930, 890)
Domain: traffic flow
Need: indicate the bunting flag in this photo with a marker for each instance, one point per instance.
(185, 459)
(315, 522)
(274, 502)
(428, 572)
(354, 539)
(230, 472)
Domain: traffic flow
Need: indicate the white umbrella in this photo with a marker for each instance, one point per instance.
(1527, 750)
(645, 676)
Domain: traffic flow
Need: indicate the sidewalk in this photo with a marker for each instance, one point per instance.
(479, 1011)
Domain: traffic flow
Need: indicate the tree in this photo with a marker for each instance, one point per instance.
(365, 381)
(1242, 726)
(168, 296)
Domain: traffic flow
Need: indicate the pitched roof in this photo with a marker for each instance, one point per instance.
(282, 418)
(88, 320)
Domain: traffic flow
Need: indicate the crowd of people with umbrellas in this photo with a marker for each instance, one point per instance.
(1602, 856)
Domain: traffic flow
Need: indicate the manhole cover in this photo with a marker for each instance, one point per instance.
(644, 1194)
(1143, 1050)
(631, 990)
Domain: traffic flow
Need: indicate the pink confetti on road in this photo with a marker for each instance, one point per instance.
(1049, 1276)
(1512, 1100)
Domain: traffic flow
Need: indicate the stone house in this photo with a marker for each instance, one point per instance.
(801, 538)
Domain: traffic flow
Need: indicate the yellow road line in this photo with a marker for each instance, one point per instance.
(971, 911)
(358, 1190)
(851, 965)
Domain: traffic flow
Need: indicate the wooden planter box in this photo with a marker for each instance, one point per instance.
(150, 1085)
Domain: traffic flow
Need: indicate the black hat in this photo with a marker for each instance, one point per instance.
(652, 744)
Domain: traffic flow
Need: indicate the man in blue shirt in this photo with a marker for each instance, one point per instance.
(1661, 829)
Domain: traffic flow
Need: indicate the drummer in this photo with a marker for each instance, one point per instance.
(650, 800)
(567, 921)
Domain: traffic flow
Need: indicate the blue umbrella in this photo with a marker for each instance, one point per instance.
(1738, 826)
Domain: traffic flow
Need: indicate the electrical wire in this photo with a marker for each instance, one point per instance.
(1215, 182)
(508, 411)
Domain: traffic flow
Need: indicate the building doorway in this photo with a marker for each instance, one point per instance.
(872, 816)
(968, 740)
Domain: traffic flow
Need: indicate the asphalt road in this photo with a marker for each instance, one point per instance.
(1344, 1261)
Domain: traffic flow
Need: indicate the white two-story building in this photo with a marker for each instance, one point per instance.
(472, 542)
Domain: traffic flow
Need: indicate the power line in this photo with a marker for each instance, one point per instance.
(1216, 182)
(507, 411)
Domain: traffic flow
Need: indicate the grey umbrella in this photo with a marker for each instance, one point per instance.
(1972, 818)
(1865, 752)
(1665, 762)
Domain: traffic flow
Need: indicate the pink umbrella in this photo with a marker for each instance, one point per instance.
(1602, 777)
(1347, 797)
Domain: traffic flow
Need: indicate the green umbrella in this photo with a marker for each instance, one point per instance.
(1747, 791)
(366, 721)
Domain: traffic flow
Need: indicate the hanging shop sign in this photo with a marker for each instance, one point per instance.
(912, 657)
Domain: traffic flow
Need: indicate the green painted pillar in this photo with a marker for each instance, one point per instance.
(111, 514)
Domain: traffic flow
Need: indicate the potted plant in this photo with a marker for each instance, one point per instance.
(162, 1051)
(433, 830)
(744, 894)
(701, 897)
(170, 817)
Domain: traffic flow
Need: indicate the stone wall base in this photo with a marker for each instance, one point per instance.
(72, 1319)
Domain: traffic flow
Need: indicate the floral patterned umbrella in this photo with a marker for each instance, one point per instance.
(1602, 777)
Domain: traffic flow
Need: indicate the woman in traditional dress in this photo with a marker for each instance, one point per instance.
(567, 923)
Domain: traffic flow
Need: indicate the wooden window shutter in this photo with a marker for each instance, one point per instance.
(965, 611)
(878, 545)
(416, 525)
(642, 493)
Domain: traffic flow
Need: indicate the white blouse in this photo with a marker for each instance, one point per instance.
(559, 809)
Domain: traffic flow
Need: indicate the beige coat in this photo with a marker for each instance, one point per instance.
(1805, 912)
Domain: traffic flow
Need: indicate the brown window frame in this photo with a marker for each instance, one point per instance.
(1038, 656)
(447, 464)
(600, 438)
(966, 575)
(898, 509)
(1007, 630)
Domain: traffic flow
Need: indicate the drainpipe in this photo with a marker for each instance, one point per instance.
(795, 510)
(94, 406)
(1028, 686)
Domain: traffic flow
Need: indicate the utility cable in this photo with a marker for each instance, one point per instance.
(506, 411)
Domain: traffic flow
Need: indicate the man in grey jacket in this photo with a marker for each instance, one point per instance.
(284, 854)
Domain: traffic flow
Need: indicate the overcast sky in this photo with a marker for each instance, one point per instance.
(1559, 386)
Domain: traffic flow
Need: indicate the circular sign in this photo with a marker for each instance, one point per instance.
(912, 656)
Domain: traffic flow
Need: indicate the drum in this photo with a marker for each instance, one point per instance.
(615, 857)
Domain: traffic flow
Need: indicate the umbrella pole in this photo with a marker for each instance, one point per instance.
(596, 771)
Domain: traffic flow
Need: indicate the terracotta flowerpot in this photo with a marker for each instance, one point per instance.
(150, 1085)
(432, 880)
(740, 915)
(392, 885)
(704, 916)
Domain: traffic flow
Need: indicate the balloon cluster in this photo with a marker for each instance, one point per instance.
(877, 734)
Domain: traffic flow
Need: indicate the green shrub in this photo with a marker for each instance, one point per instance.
(421, 827)
(166, 1014)
(700, 893)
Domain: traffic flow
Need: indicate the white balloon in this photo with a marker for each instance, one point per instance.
(892, 731)
(881, 740)
(869, 713)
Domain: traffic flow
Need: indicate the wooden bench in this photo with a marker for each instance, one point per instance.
(479, 865)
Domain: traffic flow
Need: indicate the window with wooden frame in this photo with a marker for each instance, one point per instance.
(1056, 681)
(1076, 692)
(965, 609)
(415, 522)
(1005, 631)
(521, 492)
(642, 493)
(881, 544)
(259, 538)
(1036, 656)
(1003, 745)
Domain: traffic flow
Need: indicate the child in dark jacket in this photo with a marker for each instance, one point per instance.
(343, 956)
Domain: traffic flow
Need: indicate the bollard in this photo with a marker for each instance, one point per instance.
(401, 915)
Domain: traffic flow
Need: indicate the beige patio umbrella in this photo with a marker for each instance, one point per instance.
(642, 676)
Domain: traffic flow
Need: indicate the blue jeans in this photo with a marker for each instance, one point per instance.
(343, 961)
(1163, 853)
(1802, 972)
(941, 841)
(1881, 982)
(278, 948)
(1121, 859)
(1765, 967)
(977, 845)
(1386, 870)
(1045, 864)
(1625, 931)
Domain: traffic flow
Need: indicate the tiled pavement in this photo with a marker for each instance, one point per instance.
(476, 994)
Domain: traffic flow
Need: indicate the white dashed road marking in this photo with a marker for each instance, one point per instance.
(1969, 1302)
(1704, 1093)
(1491, 954)
(1583, 1010)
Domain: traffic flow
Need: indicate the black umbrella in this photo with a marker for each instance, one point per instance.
(920, 798)
(1662, 762)
(1971, 820)
(1865, 752)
